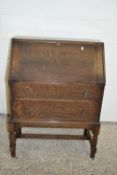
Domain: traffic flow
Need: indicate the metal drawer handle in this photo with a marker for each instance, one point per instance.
(27, 90)
(82, 113)
(86, 93)
(28, 110)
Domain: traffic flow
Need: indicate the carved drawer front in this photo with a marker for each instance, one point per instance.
(59, 110)
(52, 91)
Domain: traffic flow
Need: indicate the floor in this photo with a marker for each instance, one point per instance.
(59, 157)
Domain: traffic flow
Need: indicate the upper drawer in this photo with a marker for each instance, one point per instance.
(34, 90)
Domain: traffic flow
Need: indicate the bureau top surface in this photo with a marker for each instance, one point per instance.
(55, 61)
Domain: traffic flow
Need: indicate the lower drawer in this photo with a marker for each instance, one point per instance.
(59, 110)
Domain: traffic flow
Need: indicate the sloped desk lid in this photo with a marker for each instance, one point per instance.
(57, 61)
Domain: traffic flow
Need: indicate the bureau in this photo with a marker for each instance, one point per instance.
(55, 84)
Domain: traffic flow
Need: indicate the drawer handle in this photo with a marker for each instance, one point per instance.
(27, 90)
(82, 113)
(85, 93)
(28, 110)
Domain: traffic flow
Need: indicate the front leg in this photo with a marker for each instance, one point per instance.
(12, 144)
(12, 137)
(95, 132)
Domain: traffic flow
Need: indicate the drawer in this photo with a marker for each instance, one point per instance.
(59, 110)
(53, 91)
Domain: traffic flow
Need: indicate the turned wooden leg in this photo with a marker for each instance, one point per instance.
(12, 137)
(12, 143)
(95, 132)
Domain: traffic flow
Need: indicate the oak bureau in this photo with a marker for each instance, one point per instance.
(55, 84)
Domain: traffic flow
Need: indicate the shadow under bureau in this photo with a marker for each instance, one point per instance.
(55, 84)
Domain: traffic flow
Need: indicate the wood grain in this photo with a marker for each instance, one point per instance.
(55, 84)
(33, 90)
(59, 110)
(56, 62)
